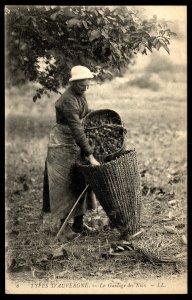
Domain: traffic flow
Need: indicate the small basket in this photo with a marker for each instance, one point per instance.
(105, 119)
(116, 185)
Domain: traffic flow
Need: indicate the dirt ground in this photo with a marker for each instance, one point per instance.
(154, 261)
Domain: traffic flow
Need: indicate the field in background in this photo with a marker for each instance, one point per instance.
(153, 106)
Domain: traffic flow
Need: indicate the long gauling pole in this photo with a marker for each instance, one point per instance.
(70, 213)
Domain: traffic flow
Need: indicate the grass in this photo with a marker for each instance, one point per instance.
(156, 125)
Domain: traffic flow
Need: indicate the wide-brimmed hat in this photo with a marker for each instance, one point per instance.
(80, 73)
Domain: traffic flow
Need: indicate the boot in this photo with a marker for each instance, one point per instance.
(79, 227)
(78, 224)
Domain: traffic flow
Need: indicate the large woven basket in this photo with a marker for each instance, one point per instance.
(105, 118)
(116, 185)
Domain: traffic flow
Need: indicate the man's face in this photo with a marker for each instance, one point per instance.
(81, 86)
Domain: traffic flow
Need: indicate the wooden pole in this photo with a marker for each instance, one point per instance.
(69, 215)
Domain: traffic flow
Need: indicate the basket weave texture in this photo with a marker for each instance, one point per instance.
(116, 185)
(107, 118)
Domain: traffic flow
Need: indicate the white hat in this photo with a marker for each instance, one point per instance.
(80, 73)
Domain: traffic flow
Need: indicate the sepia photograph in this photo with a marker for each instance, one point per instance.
(96, 149)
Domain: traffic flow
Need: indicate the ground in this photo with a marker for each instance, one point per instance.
(156, 127)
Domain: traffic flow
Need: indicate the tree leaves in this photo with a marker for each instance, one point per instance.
(162, 43)
(53, 16)
(104, 34)
(72, 22)
(85, 24)
(75, 34)
(141, 47)
(115, 49)
(121, 18)
(67, 12)
(94, 34)
(34, 98)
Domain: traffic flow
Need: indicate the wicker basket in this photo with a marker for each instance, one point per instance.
(111, 116)
(105, 118)
(116, 185)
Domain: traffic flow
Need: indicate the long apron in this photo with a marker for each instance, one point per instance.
(66, 182)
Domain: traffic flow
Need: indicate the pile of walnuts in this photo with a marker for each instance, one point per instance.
(104, 137)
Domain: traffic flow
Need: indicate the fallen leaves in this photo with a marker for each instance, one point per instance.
(170, 229)
(17, 265)
(60, 253)
(117, 249)
(184, 239)
(172, 202)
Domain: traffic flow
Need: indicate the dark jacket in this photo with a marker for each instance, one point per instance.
(71, 108)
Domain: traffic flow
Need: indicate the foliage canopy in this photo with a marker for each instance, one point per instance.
(45, 42)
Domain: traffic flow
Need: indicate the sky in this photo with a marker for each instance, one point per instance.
(178, 16)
